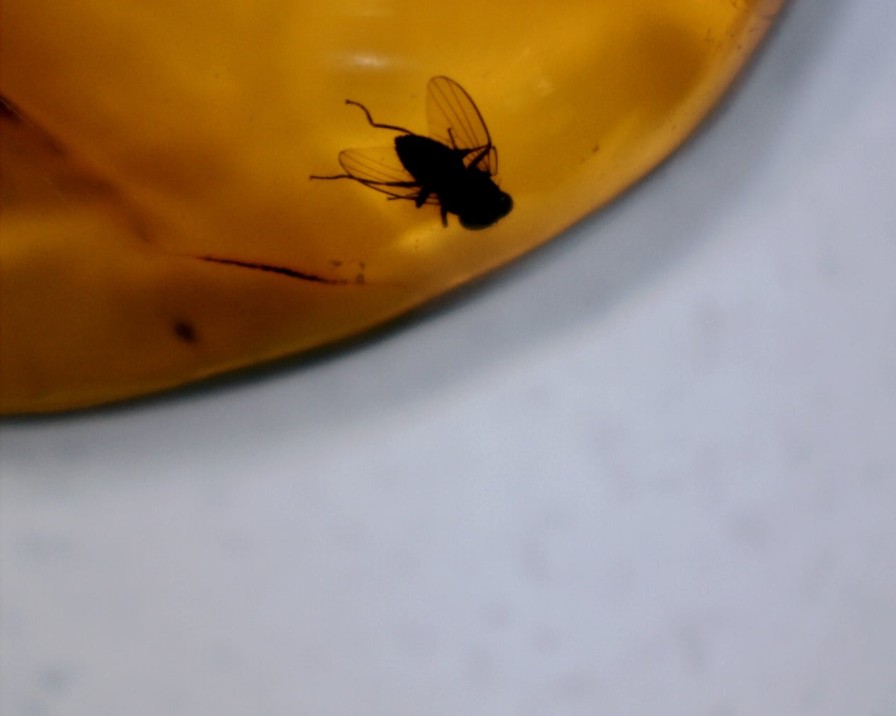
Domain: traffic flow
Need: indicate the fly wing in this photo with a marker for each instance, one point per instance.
(380, 168)
(455, 120)
(379, 165)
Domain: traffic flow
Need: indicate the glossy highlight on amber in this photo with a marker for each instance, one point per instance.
(139, 139)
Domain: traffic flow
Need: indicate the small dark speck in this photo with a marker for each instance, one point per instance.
(7, 111)
(595, 149)
(185, 331)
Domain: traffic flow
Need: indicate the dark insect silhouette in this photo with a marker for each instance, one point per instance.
(454, 167)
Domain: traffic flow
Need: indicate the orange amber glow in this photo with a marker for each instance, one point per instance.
(143, 134)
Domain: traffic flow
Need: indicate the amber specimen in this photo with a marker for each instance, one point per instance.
(139, 136)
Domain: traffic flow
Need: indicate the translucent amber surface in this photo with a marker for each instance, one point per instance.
(139, 135)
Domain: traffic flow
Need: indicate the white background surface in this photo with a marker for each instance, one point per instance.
(649, 470)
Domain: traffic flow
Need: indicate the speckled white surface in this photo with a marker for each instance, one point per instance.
(650, 470)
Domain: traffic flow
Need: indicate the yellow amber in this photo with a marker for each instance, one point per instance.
(143, 134)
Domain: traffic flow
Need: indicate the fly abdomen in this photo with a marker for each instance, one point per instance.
(430, 162)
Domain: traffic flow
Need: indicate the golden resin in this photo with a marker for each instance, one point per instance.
(139, 135)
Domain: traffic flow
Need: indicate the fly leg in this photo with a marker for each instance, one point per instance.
(332, 176)
(387, 187)
(377, 124)
(372, 183)
(483, 153)
(422, 196)
(384, 186)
